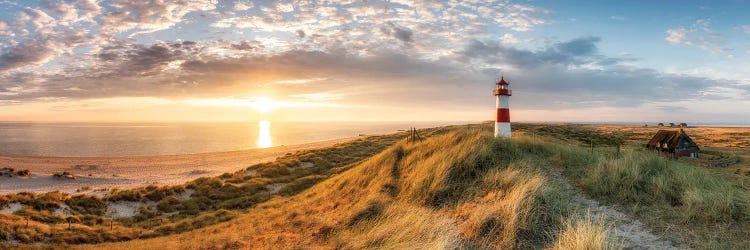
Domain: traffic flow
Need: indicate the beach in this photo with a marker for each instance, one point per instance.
(95, 175)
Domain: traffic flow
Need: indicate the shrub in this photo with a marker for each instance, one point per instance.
(48, 201)
(66, 175)
(169, 204)
(124, 195)
(24, 172)
(85, 204)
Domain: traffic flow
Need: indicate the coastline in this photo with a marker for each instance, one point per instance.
(94, 174)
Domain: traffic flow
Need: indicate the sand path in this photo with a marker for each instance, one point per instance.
(628, 232)
(135, 171)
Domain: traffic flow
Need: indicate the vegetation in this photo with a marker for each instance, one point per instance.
(690, 204)
(459, 188)
(11, 172)
(174, 209)
(584, 234)
(66, 175)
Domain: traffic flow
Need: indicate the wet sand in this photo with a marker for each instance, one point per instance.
(98, 173)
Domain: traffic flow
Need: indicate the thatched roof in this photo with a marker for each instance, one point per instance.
(670, 139)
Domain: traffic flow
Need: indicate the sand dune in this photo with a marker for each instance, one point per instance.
(127, 172)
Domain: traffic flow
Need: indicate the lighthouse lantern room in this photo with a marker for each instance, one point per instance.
(502, 121)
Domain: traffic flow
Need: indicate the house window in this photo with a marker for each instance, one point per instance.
(693, 155)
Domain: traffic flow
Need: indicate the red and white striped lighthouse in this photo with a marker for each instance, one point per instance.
(502, 122)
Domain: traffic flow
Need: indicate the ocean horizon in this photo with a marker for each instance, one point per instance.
(99, 139)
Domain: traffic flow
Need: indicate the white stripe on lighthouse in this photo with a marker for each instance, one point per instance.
(502, 129)
(502, 120)
(503, 101)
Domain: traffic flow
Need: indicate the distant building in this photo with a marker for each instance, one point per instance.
(673, 144)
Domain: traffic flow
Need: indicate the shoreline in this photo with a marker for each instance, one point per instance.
(109, 172)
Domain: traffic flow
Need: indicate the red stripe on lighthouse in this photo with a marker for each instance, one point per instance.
(503, 115)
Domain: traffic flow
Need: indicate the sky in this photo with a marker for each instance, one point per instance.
(375, 60)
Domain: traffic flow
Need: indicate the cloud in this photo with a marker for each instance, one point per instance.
(39, 49)
(149, 16)
(243, 5)
(39, 19)
(300, 33)
(559, 76)
(517, 17)
(574, 52)
(573, 74)
(671, 108)
(25, 54)
(677, 36)
(746, 28)
(247, 45)
(407, 52)
(509, 38)
(699, 35)
(402, 34)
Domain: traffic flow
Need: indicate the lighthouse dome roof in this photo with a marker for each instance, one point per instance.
(502, 81)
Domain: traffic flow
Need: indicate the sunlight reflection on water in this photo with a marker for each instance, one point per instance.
(264, 134)
(168, 138)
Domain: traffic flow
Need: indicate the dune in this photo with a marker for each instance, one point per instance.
(458, 189)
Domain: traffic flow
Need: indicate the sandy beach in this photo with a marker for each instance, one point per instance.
(97, 173)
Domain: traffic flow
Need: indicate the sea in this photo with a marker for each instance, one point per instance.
(131, 139)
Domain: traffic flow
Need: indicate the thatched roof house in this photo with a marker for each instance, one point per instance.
(673, 143)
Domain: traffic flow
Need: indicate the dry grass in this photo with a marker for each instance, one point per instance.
(462, 189)
(208, 203)
(458, 189)
(585, 234)
(686, 201)
(719, 145)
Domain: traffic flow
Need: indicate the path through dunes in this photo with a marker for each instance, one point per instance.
(457, 189)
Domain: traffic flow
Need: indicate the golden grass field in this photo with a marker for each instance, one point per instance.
(728, 140)
(458, 189)
(716, 143)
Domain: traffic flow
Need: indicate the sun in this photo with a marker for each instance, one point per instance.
(264, 104)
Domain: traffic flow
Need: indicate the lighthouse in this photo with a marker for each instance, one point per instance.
(502, 120)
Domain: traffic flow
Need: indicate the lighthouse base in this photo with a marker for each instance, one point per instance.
(502, 129)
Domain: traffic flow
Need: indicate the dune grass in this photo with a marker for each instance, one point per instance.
(169, 209)
(459, 188)
(585, 234)
(684, 202)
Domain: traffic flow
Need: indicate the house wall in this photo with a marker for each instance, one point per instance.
(687, 152)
